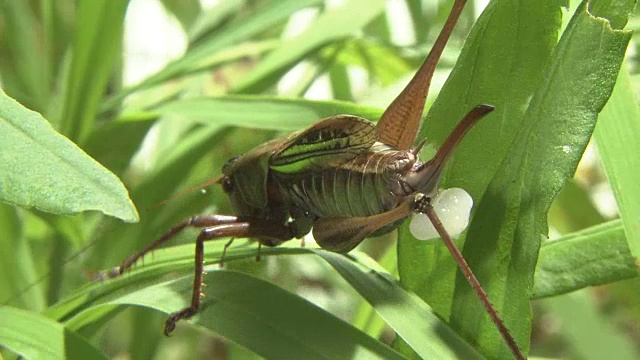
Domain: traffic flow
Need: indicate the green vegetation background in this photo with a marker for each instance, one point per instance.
(72, 166)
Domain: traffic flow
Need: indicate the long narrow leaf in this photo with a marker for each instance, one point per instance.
(34, 336)
(266, 112)
(147, 286)
(594, 256)
(335, 24)
(238, 31)
(97, 38)
(616, 134)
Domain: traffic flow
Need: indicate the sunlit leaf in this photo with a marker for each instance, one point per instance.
(44, 170)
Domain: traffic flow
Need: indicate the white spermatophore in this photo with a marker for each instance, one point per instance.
(453, 207)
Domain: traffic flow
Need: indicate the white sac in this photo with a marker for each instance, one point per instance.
(453, 207)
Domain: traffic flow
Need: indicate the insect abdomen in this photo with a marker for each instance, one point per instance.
(359, 187)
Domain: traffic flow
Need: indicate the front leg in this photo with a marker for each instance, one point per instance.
(199, 221)
(265, 232)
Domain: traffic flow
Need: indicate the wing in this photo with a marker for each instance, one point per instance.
(343, 234)
(399, 124)
(335, 139)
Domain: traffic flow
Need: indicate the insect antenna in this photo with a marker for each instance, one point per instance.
(47, 274)
(200, 186)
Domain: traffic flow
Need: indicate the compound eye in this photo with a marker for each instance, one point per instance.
(227, 184)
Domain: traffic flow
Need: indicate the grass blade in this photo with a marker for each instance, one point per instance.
(616, 134)
(594, 256)
(34, 336)
(97, 38)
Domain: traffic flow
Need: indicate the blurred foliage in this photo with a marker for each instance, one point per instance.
(75, 131)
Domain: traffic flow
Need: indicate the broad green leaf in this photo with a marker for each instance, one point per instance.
(494, 68)
(505, 235)
(542, 148)
(594, 256)
(616, 135)
(34, 336)
(266, 112)
(97, 39)
(238, 302)
(42, 169)
(334, 24)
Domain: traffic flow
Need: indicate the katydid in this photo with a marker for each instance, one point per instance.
(343, 179)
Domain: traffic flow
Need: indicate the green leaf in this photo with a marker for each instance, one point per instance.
(97, 39)
(186, 11)
(23, 64)
(616, 134)
(239, 30)
(591, 334)
(504, 237)
(410, 317)
(540, 149)
(42, 169)
(211, 19)
(17, 266)
(333, 25)
(270, 113)
(494, 68)
(233, 303)
(595, 256)
(34, 336)
(233, 299)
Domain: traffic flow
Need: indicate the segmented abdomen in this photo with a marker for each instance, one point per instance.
(358, 187)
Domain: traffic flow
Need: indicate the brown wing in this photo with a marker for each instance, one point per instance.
(399, 124)
(333, 139)
(343, 234)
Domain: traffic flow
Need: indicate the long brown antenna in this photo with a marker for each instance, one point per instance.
(187, 190)
(426, 208)
(399, 124)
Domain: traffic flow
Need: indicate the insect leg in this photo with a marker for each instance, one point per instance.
(224, 252)
(423, 205)
(258, 228)
(258, 254)
(200, 221)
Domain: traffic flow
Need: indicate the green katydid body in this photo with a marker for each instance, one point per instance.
(334, 171)
(344, 177)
